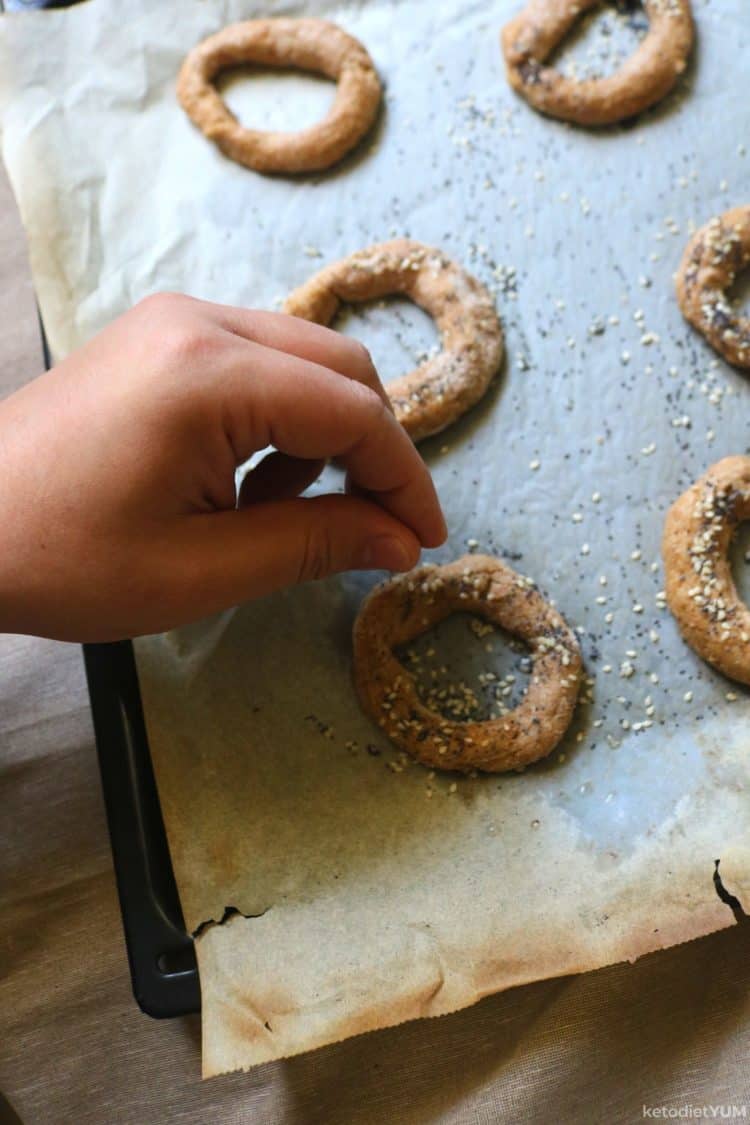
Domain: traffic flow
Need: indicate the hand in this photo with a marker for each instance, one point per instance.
(118, 505)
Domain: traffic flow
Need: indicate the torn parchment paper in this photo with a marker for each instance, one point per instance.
(364, 891)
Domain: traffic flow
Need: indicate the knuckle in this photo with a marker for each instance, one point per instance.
(192, 343)
(163, 303)
(187, 341)
(181, 333)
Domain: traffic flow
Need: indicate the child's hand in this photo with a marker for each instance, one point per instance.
(117, 493)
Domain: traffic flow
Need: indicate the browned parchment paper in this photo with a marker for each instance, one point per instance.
(368, 900)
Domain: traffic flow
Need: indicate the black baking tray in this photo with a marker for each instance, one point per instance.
(32, 5)
(161, 952)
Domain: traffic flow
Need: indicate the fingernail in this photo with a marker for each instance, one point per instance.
(387, 553)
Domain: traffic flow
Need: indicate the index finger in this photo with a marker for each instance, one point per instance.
(304, 339)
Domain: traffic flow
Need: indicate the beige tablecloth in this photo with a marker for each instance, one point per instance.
(672, 1030)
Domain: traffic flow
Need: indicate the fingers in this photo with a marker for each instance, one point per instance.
(312, 409)
(278, 477)
(231, 557)
(305, 410)
(306, 341)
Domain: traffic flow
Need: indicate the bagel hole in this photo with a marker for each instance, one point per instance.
(600, 42)
(739, 557)
(467, 669)
(270, 99)
(397, 333)
(739, 293)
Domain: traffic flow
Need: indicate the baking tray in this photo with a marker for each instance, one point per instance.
(30, 5)
(160, 951)
(161, 956)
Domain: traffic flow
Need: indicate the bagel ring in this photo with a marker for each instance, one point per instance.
(402, 608)
(644, 79)
(712, 260)
(307, 44)
(699, 586)
(442, 388)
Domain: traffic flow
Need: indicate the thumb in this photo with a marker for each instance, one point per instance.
(232, 557)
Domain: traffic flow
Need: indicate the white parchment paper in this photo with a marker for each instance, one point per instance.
(373, 892)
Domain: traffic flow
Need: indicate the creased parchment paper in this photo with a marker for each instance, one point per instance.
(372, 893)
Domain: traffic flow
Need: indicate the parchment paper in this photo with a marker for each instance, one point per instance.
(374, 893)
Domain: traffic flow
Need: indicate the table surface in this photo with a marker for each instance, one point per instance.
(672, 1030)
